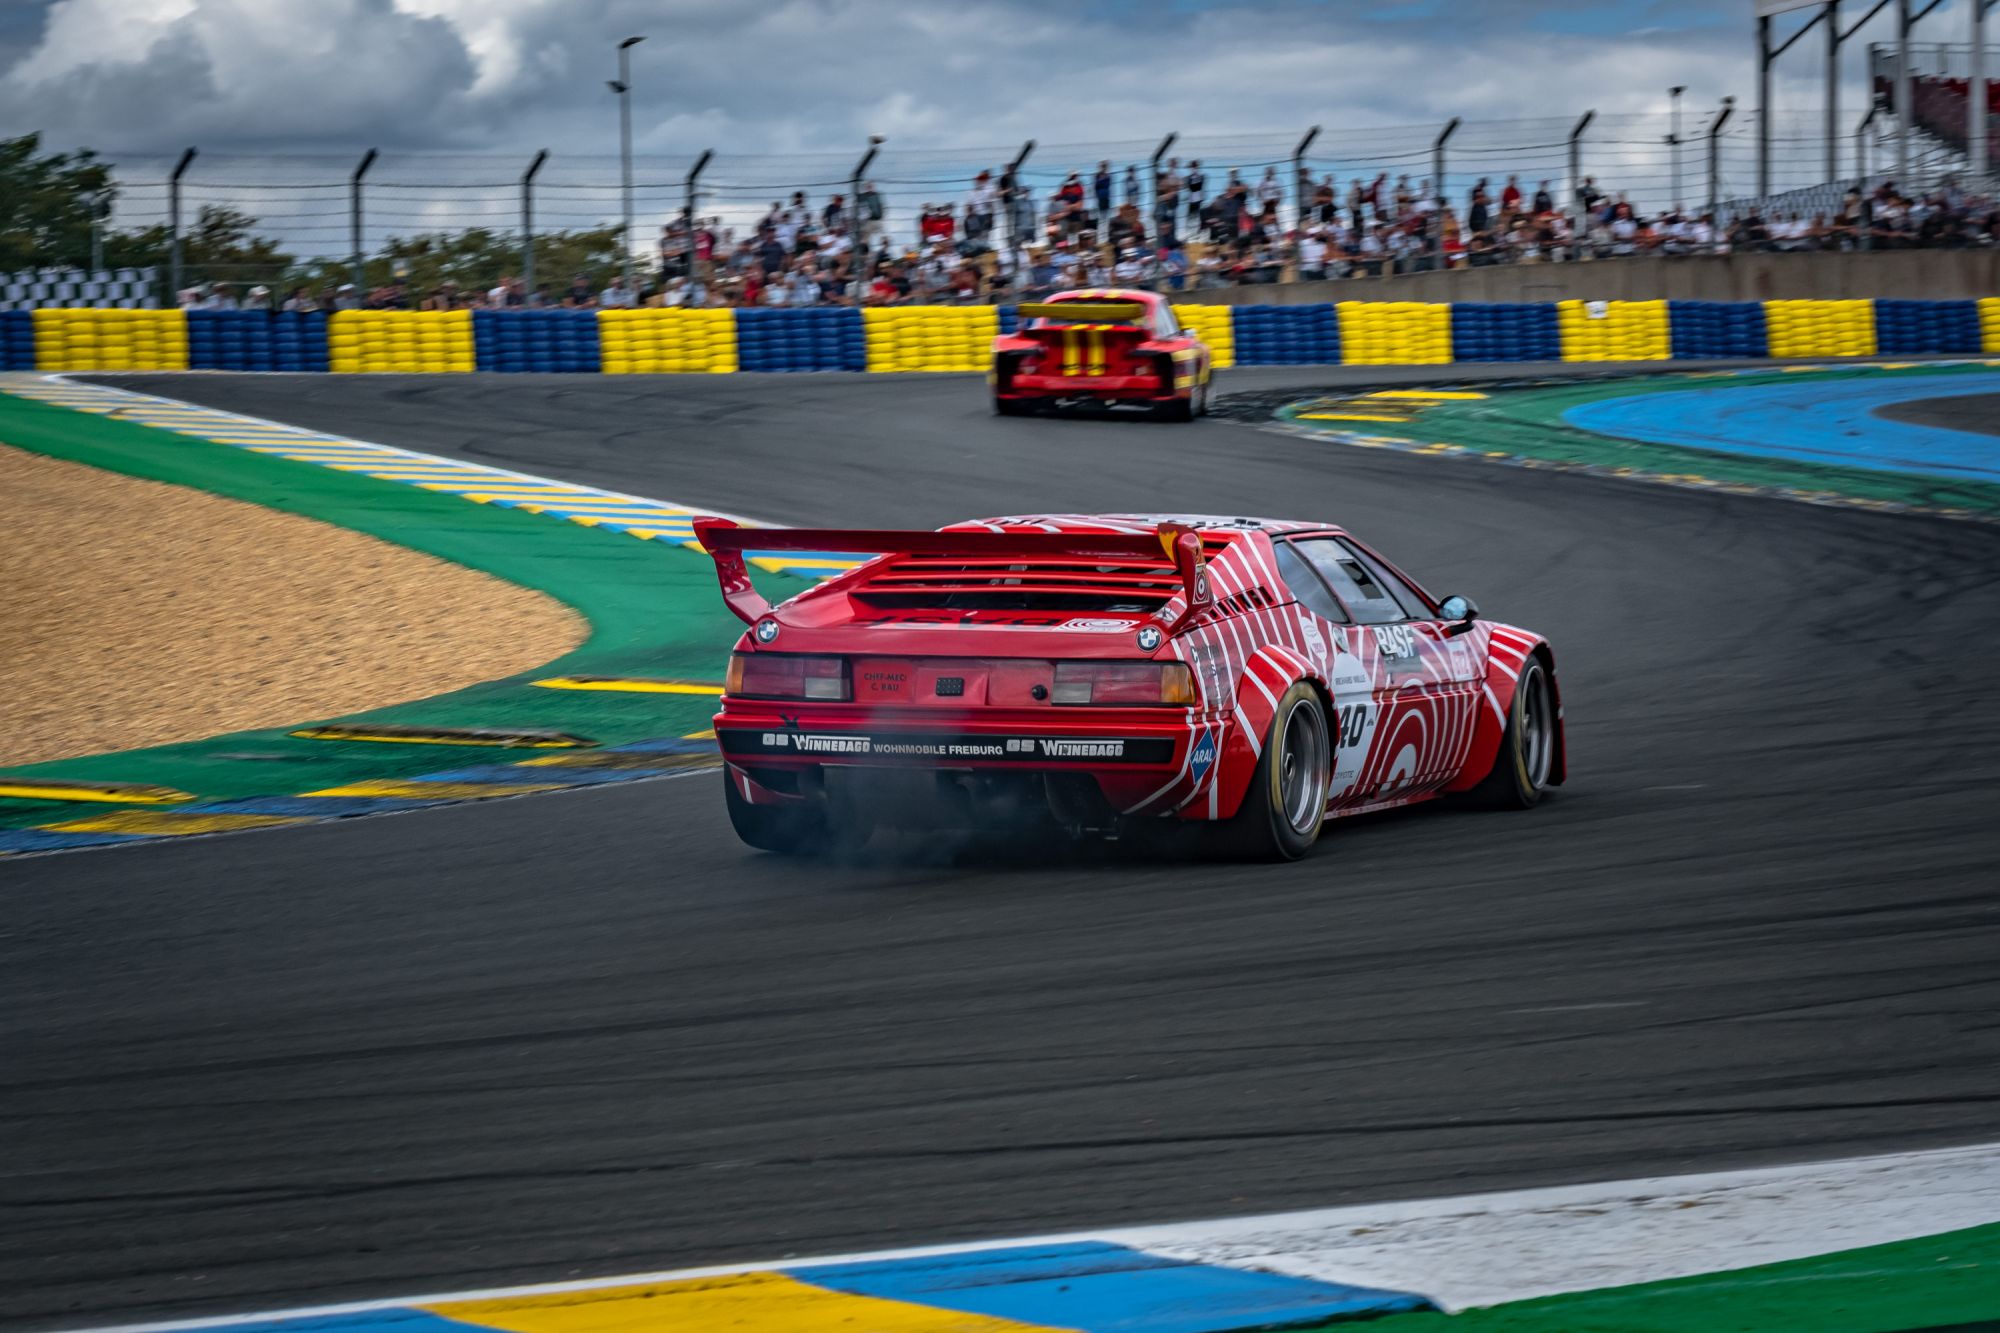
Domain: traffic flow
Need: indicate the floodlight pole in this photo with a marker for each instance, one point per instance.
(1299, 173)
(623, 87)
(1154, 176)
(354, 219)
(688, 188)
(1906, 83)
(174, 223)
(1715, 157)
(528, 223)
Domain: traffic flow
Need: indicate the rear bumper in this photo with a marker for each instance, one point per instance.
(1131, 757)
(1109, 388)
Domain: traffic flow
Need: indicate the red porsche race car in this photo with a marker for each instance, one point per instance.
(1089, 672)
(1104, 345)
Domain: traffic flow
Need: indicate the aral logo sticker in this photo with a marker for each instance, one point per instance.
(1202, 757)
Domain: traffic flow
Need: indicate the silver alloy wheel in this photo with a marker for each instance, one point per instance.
(1302, 777)
(1536, 736)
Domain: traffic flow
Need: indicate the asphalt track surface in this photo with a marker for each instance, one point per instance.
(589, 1033)
(1976, 412)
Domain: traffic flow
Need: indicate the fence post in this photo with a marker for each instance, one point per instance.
(1975, 99)
(354, 220)
(174, 225)
(1576, 227)
(862, 266)
(1715, 158)
(1437, 184)
(1153, 174)
(1832, 129)
(528, 223)
(1765, 57)
(1014, 205)
(1299, 174)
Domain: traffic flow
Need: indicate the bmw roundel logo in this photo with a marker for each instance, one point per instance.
(1149, 638)
(767, 630)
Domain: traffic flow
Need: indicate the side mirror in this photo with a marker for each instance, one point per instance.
(1459, 613)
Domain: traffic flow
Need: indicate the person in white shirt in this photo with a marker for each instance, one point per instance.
(776, 293)
(1130, 268)
(617, 296)
(1269, 191)
(1312, 256)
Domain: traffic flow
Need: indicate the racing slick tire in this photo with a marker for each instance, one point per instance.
(1009, 407)
(1283, 811)
(1520, 772)
(784, 829)
(1181, 409)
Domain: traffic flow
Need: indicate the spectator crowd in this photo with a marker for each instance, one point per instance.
(1183, 229)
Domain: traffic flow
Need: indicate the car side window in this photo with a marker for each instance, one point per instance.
(1307, 587)
(1164, 323)
(1353, 582)
(1409, 598)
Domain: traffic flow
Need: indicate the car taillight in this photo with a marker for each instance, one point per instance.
(1123, 683)
(780, 676)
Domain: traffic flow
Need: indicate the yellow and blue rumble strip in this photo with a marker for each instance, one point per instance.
(1084, 1286)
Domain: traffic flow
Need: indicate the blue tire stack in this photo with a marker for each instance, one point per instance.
(1903, 327)
(298, 340)
(523, 341)
(1717, 330)
(229, 340)
(806, 339)
(1505, 331)
(17, 340)
(1295, 335)
(1010, 319)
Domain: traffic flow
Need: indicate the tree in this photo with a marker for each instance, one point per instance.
(46, 204)
(222, 246)
(477, 258)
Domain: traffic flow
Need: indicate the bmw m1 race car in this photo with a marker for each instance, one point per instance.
(1090, 672)
(1104, 345)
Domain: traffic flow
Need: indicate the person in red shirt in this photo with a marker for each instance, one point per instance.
(1510, 198)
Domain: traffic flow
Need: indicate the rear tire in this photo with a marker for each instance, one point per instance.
(788, 830)
(1285, 808)
(1520, 772)
(1009, 407)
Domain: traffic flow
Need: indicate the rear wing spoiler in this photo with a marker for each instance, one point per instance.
(726, 541)
(1084, 312)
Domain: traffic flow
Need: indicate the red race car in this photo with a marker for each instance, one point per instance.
(1088, 672)
(1104, 345)
(1095, 671)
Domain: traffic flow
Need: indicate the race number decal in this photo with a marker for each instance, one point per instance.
(1354, 719)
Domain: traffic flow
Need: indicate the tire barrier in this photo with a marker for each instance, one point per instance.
(1821, 328)
(830, 339)
(672, 342)
(930, 337)
(17, 340)
(256, 340)
(1395, 333)
(1287, 334)
(956, 338)
(110, 339)
(426, 341)
(537, 340)
(1614, 331)
(1719, 330)
(1505, 331)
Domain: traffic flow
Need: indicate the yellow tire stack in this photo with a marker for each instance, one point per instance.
(1615, 331)
(1821, 328)
(1989, 323)
(930, 337)
(1214, 325)
(1395, 333)
(425, 341)
(111, 340)
(653, 342)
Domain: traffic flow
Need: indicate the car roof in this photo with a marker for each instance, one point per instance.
(1134, 523)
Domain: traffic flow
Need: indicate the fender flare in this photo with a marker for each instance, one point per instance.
(1271, 671)
(1507, 650)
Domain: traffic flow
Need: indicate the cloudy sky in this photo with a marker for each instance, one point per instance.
(799, 84)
